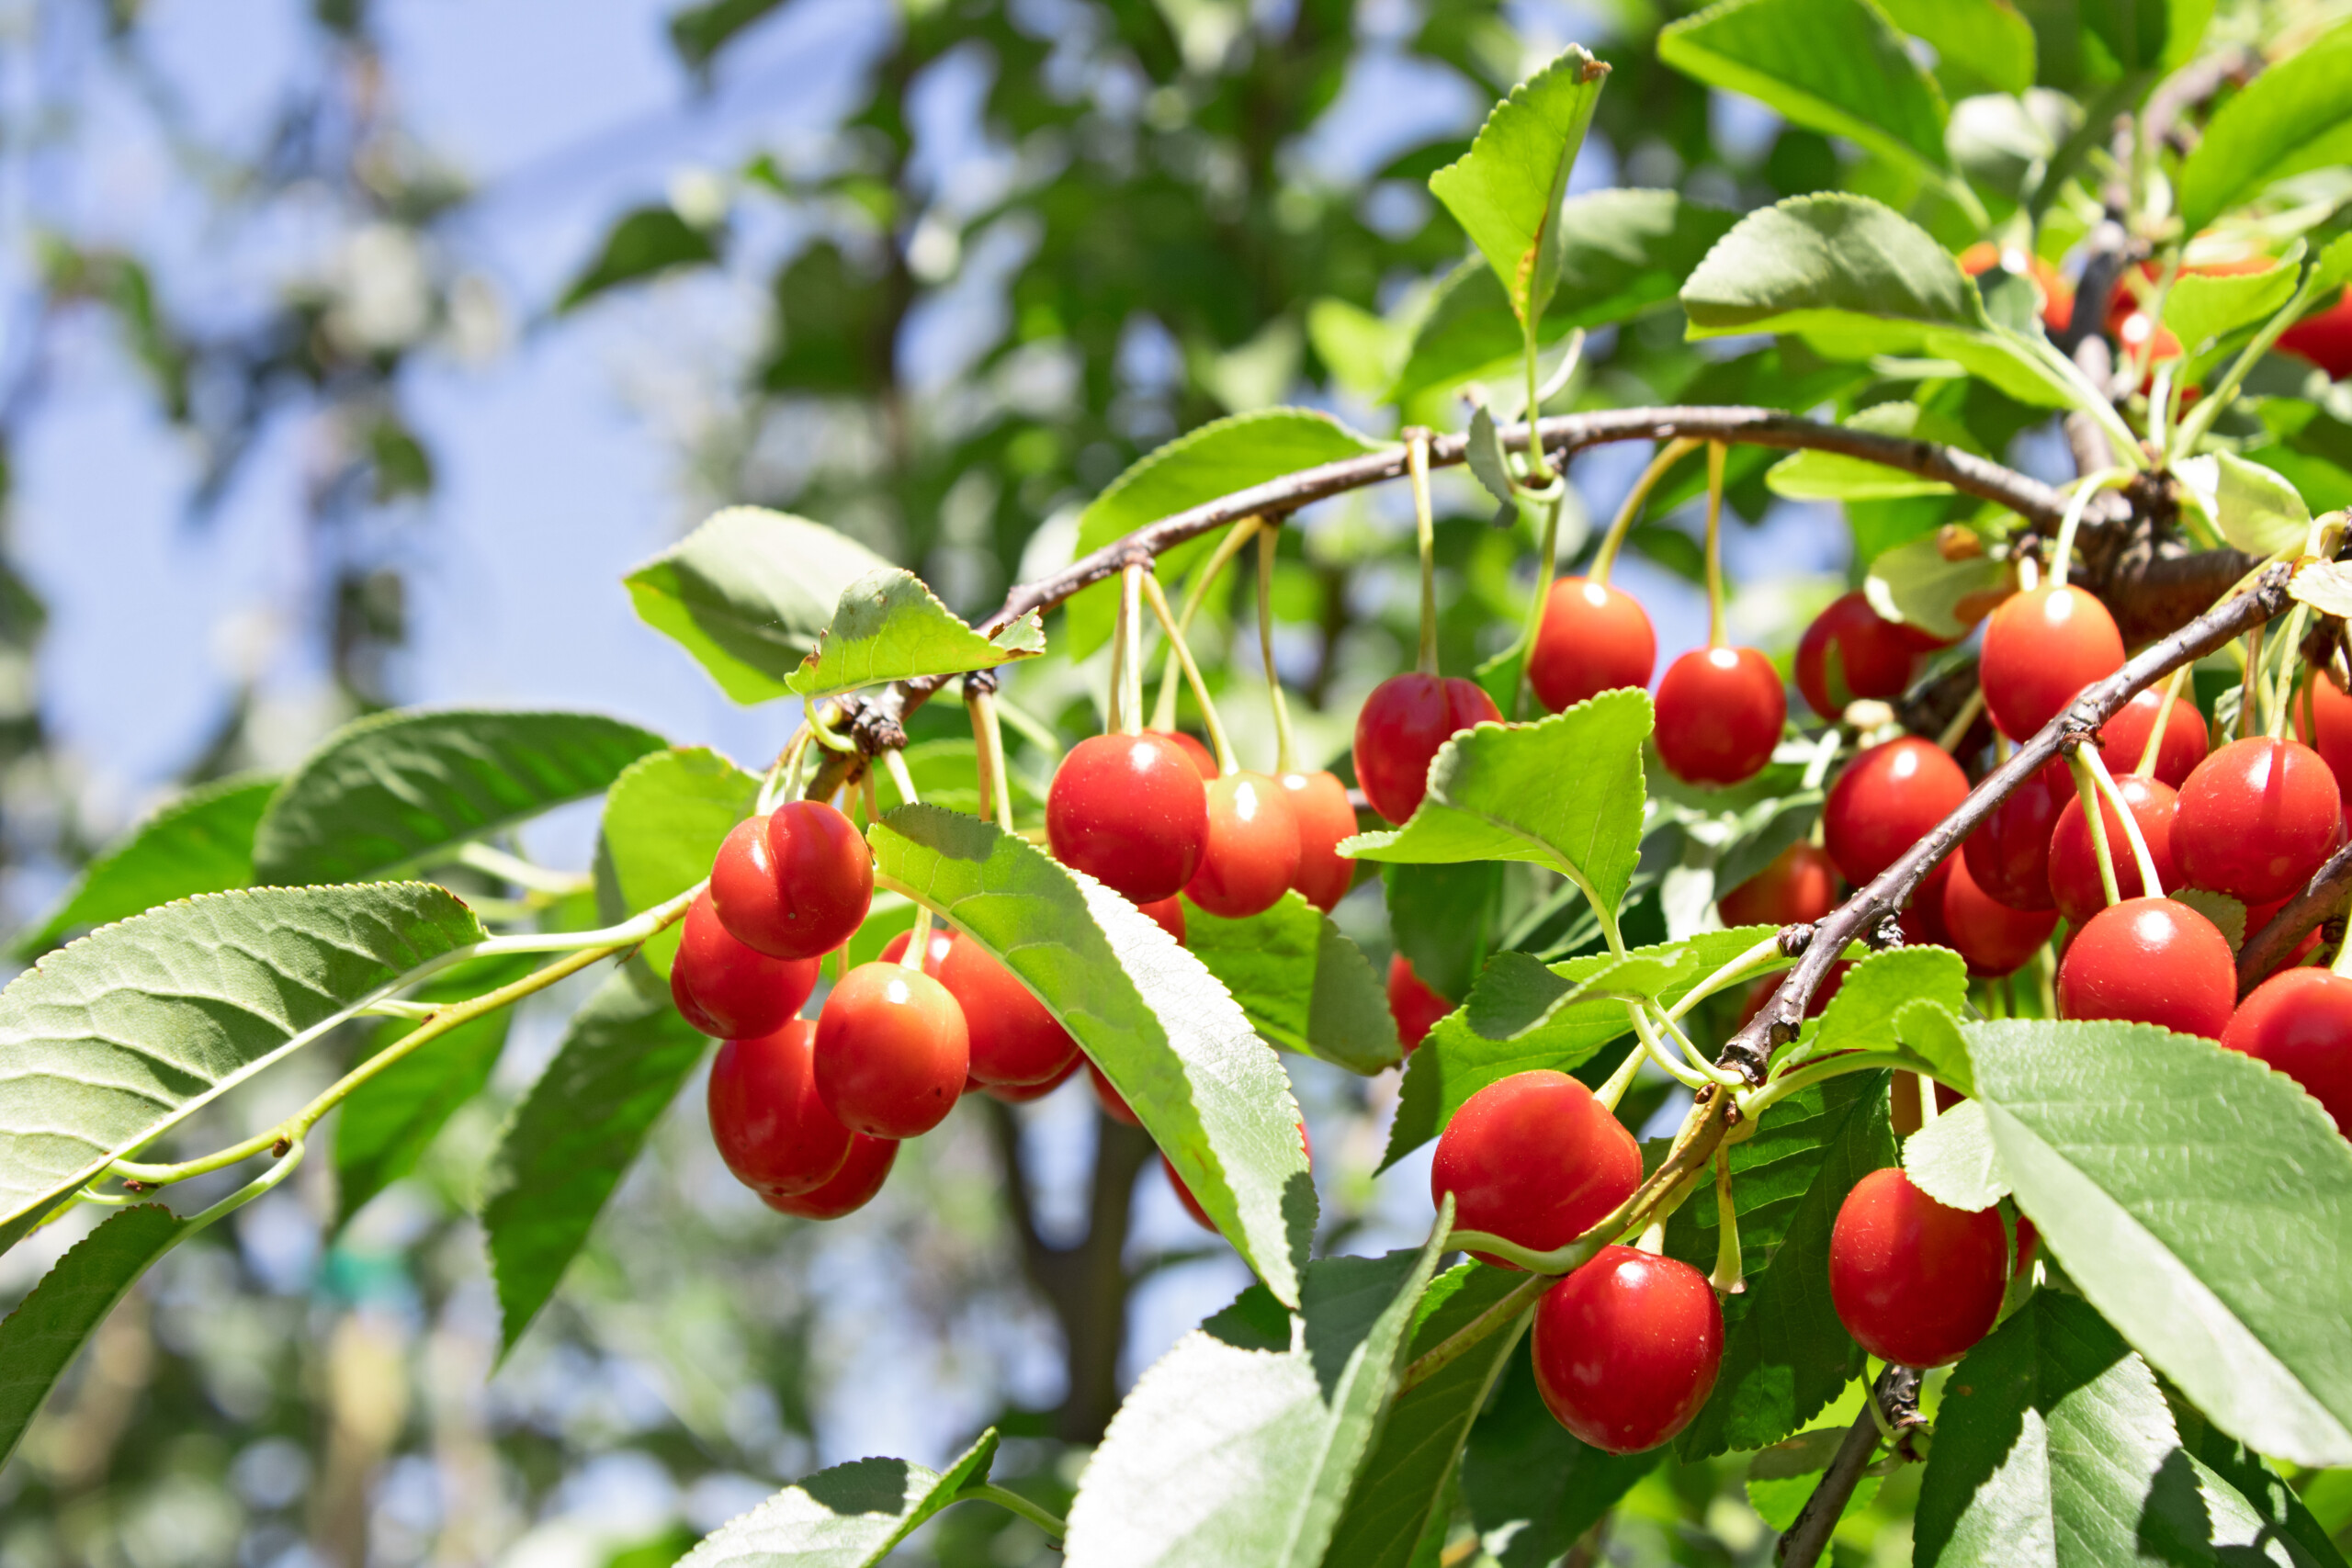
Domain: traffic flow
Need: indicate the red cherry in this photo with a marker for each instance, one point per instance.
(1593, 639)
(2057, 293)
(1203, 760)
(2040, 648)
(2324, 337)
(1130, 811)
(1170, 915)
(1720, 712)
(892, 1052)
(771, 1126)
(859, 1179)
(1415, 1007)
(2125, 737)
(1797, 889)
(1535, 1160)
(2009, 854)
(735, 992)
(2074, 859)
(2323, 721)
(1400, 729)
(2150, 961)
(1318, 804)
(1922, 916)
(2257, 817)
(1914, 1282)
(1114, 1104)
(1193, 1204)
(1023, 1093)
(1251, 856)
(942, 938)
(2301, 1024)
(1887, 800)
(1995, 939)
(1874, 658)
(1012, 1038)
(795, 884)
(1626, 1348)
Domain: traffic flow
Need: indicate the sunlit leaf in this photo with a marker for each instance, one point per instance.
(1306, 987)
(664, 819)
(848, 1516)
(2293, 118)
(889, 627)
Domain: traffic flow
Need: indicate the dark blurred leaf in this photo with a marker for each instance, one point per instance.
(1443, 917)
(649, 240)
(699, 32)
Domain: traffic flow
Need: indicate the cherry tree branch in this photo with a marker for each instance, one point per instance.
(1898, 1394)
(2322, 895)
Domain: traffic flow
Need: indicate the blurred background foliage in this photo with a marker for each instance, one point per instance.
(353, 349)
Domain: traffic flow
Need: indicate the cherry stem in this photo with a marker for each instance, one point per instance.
(1657, 1049)
(1727, 1277)
(1962, 721)
(1539, 471)
(1764, 952)
(783, 778)
(2087, 789)
(2155, 742)
(1510, 1311)
(1126, 667)
(1218, 742)
(1196, 593)
(1014, 1503)
(2250, 683)
(995, 784)
(1547, 548)
(1716, 452)
(1285, 745)
(2149, 885)
(2061, 554)
(1613, 1090)
(2282, 685)
(1416, 464)
(1604, 560)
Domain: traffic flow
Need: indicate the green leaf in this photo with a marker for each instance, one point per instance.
(1242, 1444)
(1216, 460)
(1306, 987)
(649, 240)
(890, 627)
(699, 32)
(1916, 583)
(2200, 307)
(2146, 36)
(1783, 1476)
(1831, 476)
(571, 1139)
(1565, 793)
(1952, 1160)
(108, 1042)
(1506, 191)
(2201, 1201)
(1443, 917)
(40, 1339)
(1785, 1353)
(1931, 1030)
(1984, 39)
(1858, 281)
(848, 1516)
(2293, 118)
(1835, 66)
(2256, 510)
(399, 793)
(1488, 464)
(1531, 1486)
(1524, 1015)
(388, 1122)
(1208, 1090)
(2276, 1512)
(1881, 986)
(1622, 253)
(747, 593)
(664, 819)
(1360, 349)
(1402, 1489)
(2055, 1446)
(200, 842)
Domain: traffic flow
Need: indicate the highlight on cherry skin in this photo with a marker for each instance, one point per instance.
(2150, 961)
(2074, 858)
(1251, 856)
(1401, 727)
(1593, 639)
(893, 1051)
(1914, 1282)
(727, 989)
(1720, 711)
(2041, 650)
(1626, 1348)
(1130, 811)
(794, 883)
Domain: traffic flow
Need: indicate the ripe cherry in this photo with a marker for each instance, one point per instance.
(770, 1124)
(1626, 1348)
(1535, 1160)
(1914, 1282)
(2009, 854)
(1887, 800)
(2150, 961)
(1012, 1038)
(1415, 1007)
(1130, 811)
(2125, 737)
(2039, 649)
(2300, 1021)
(728, 989)
(1593, 639)
(853, 1187)
(1318, 804)
(1798, 888)
(794, 883)
(1400, 729)
(1720, 712)
(2074, 859)
(2257, 817)
(942, 938)
(1251, 856)
(2324, 722)
(1849, 651)
(2324, 337)
(893, 1051)
(1922, 916)
(1168, 915)
(1023, 1093)
(1993, 937)
(1203, 760)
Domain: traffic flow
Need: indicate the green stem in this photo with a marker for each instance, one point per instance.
(1756, 1101)
(1217, 740)
(1126, 678)
(2061, 554)
(1727, 1277)
(1657, 1049)
(1285, 745)
(995, 779)
(1605, 559)
(1416, 464)
(1196, 593)
(523, 874)
(1471, 1335)
(2086, 790)
(1613, 1090)
(1691, 1054)
(1539, 468)
(1716, 451)
(2250, 684)
(1764, 952)
(2291, 638)
(1546, 567)
(2163, 720)
(2151, 885)
(1014, 1502)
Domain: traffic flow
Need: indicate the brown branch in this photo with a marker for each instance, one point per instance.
(2322, 895)
(1898, 1394)
(1860, 916)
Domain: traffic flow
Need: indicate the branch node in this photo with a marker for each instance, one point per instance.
(980, 683)
(1887, 934)
(1794, 940)
(2074, 738)
(137, 1186)
(278, 1149)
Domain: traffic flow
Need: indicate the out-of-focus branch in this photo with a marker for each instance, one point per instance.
(2322, 895)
